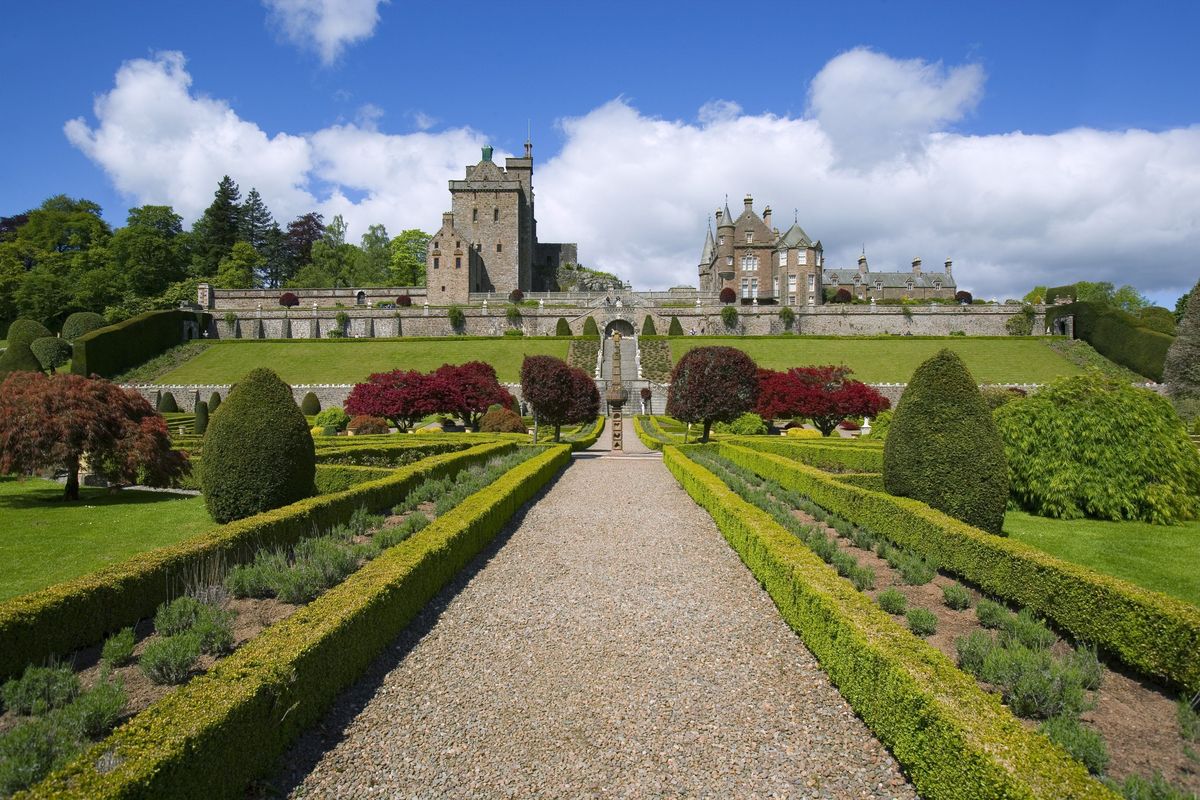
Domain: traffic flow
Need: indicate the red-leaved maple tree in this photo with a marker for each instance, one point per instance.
(401, 397)
(59, 421)
(470, 389)
(585, 397)
(712, 384)
(826, 395)
(547, 386)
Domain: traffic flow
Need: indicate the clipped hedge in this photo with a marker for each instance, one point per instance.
(332, 478)
(214, 735)
(115, 348)
(953, 739)
(640, 431)
(79, 612)
(590, 438)
(1151, 632)
(822, 454)
(1118, 336)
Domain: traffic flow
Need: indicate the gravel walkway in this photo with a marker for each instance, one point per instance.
(609, 645)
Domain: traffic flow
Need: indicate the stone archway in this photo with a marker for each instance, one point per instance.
(621, 326)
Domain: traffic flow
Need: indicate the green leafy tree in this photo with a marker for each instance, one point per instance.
(372, 263)
(150, 252)
(278, 266)
(239, 269)
(408, 257)
(1035, 295)
(1071, 455)
(279, 469)
(943, 448)
(332, 259)
(1129, 299)
(1181, 306)
(217, 230)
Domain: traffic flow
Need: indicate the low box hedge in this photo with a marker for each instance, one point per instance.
(953, 739)
(332, 478)
(644, 437)
(214, 735)
(66, 616)
(592, 436)
(820, 453)
(1155, 634)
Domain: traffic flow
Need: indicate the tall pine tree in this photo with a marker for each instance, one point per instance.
(278, 265)
(255, 221)
(214, 234)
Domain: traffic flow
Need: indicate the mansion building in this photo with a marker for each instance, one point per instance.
(488, 241)
(759, 264)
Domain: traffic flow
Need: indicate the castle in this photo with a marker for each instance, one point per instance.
(488, 240)
(751, 258)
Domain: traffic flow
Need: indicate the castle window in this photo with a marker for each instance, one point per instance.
(775, 286)
(720, 240)
(937, 284)
(458, 245)
(499, 247)
(749, 237)
(474, 215)
(783, 258)
(435, 245)
(745, 287)
(803, 255)
(729, 261)
(754, 287)
(495, 215)
(749, 263)
(458, 262)
(435, 262)
(791, 288)
(812, 282)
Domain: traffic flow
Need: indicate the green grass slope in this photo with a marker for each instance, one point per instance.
(893, 359)
(350, 361)
(47, 540)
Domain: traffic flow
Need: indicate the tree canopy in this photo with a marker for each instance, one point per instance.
(712, 384)
(826, 395)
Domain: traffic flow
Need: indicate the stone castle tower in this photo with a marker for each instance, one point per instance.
(488, 240)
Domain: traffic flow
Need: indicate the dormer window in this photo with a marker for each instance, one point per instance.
(937, 285)
(749, 237)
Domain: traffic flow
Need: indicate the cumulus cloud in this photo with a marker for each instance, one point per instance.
(636, 192)
(326, 26)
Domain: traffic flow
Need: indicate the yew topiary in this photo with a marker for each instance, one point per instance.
(942, 447)
(589, 327)
(310, 406)
(167, 404)
(675, 328)
(1181, 368)
(562, 327)
(201, 423)
(19, 357)
(214, 401)
(1091, 446)
(51, 352)
(81, 322)
(258, 453)
(502, 420)
(648, 328)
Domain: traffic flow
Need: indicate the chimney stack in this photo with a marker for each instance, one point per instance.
(447, 219)
(718, 217)
(916, 266)
(862, 263)
(749, 203)
(767, 216)
(949, 265)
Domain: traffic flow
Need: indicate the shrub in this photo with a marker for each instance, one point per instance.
(40, 690)
(502, 420)
(881, 424)
(170, 659)
(19, 357)
(648, 328)
(366, 425)
(1189, 719)
(748, 424)
(115, 348)
(1181, 366)
(1118, 336)
(177, 616)
(200, 424)
(1083, 743)
(26, 332)
(31, 750)
(81, 322)
(1071, 453)
(214, 628)
(310, 406)
(167, 404)
(787, 317)
(943, 447)
(513, 314)
(991, 614)
(675, 328)
(892, 601)
(51, 352)
(963, 297)
(996, 396)
(332, 417)
(589, 327)
(973, 651)
(240, 480)
(214, 402)
(562, 327)
(516, 296)
(96, 711)
(797, 432)
(841, 296)
(921, 621)
(289, 300)
(457, 317)
(1157, 787)
(404, 301)
(1034, 683)
(956, 596)
(1025, 629)
(727, 295)
(729, 316)
(118, 648)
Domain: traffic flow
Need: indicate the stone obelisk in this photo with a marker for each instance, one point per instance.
(616, 395)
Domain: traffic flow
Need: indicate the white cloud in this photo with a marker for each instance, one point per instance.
(326, 26)
(1012, 210)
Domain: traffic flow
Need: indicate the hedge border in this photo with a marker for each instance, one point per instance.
(215, 734)
(953, 739)
(112, 349)
(76, 613)
(334, 478)
(644, 437)
(818, 453)
(1157, 635)
(591, 438)
(1117, 336)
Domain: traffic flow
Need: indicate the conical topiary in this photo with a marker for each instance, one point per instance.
(201, 423)
(589, 327)
(562, 327)
(675, 329)
(943, 447)
(310, 406)
(258, 452)
(1181, 368)
(214, 400)
(167, 404)
(648, 326)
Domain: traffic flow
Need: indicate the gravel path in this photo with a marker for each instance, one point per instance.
(609, 645)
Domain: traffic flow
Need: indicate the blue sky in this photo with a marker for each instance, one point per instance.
(1031, 142)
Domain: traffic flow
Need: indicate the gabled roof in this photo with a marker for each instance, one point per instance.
(795, 237)
(706, 255)
(888, 280)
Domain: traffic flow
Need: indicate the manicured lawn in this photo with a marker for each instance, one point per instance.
(44, 540)
(299, 361)
(893, 360)
(1159, 557)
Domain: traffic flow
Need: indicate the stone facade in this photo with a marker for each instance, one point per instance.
(212, 299)
(761, 265)
(494, 231)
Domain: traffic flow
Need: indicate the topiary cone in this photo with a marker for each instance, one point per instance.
(943, 447)
(201, 423)
(214, 401)
(310, 406)
(258, 453)
(167, 404)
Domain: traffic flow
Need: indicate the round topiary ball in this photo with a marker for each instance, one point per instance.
(310, 406)
(258, 453)
(81, 322)
(943, 447)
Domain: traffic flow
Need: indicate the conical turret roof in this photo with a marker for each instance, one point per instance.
(726, 218)
(706, 255)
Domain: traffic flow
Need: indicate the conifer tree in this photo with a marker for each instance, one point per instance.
(215, 233)
(255, 221)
